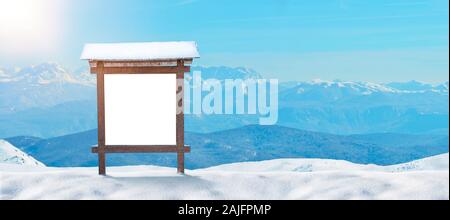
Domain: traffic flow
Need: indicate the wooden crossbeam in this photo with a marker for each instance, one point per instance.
(140, 70)
(93, 63)
(140, 149)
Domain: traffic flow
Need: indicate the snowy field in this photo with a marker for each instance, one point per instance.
(276, 179)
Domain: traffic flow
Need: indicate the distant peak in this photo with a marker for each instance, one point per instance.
(48, 73)
(12, 155)
(224, 72)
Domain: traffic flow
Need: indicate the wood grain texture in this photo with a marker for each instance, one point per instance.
(180, 116)
(101, 118)
(141, 70)
(139, 63)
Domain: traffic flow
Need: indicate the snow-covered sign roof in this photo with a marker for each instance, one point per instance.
(140, 51)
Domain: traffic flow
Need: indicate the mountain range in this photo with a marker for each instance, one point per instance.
(249, 143)
(47, 100)
(43, 86)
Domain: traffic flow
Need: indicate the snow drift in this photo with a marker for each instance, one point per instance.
(276, 179)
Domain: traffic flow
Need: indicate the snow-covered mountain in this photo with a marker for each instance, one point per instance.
(46, 100)
(12, 155)
(367, 94)
(31, 95)
(361, 107)
(266, 180)
(47, 73)
(42, 86)
(223, 72)
(348, 108)
(416, 86)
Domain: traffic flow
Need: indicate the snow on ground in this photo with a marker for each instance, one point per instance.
(11, 155)
(275, 179)
(439, 162)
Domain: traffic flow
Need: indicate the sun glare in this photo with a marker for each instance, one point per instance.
(27, 25)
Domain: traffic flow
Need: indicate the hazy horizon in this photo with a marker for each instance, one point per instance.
(86, 66)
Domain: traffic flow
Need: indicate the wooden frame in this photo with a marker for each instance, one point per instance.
(138, 70)
(140, 67)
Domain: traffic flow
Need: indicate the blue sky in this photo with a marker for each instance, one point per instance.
(373, 40)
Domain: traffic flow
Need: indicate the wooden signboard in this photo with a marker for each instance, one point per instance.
(140, 97)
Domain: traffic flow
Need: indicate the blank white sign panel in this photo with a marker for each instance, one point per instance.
(140, 109)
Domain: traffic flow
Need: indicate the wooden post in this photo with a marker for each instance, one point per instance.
(101, 118)
(180, 117)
